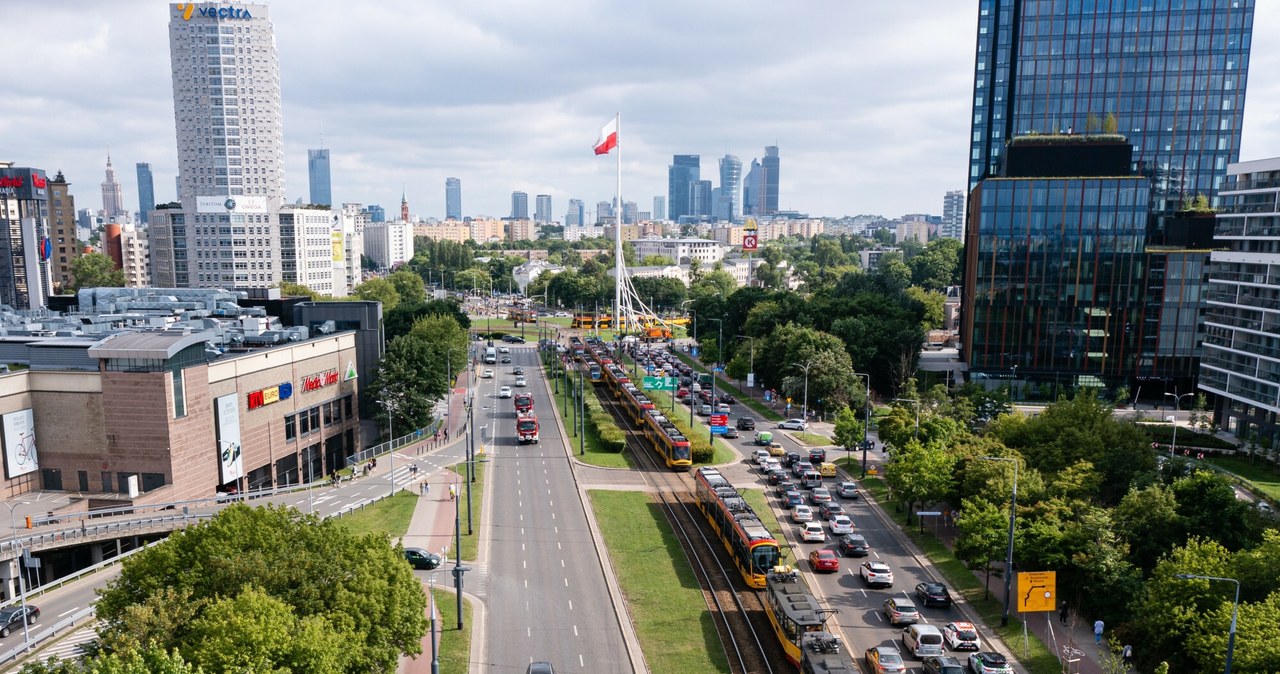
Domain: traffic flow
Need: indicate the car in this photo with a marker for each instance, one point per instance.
(785, 486)
(933, 594)
(819, 495)
(722, 408)
(794, 498)
(813, 533)
(521, 381)
(962, 636)
(790, 458)
(798, 468)
(505, 360)
(514, 339)
(777, 476)
(830, 509)
(539, 668)
(759, 456)
(841, 524)
(824, 560)
(793, 425)
(563, 314)
(876, 573)
(704, 410)
(853, 545)
(776, 449)
(730, 432)
(728, 399)
(884, 660)
(487, 374)
(817, 455)
(12, 618)
(769, 465)
(504, 392)
(504, 349)
(421, 559)
(801, 513)
(989, 663)
(922, 640)
(941, 665)
(900, 611)
(745, 424)
(847, 490)
(517, 371)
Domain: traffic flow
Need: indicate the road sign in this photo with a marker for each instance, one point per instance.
(719, 419)
(751, 380)
(719, 430)
(658, 383)
(1037, 591)
(750, 242)
(928, 513)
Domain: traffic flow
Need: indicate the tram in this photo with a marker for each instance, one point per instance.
(753, 548)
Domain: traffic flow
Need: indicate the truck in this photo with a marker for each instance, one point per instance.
(524, 403)
(527, 428)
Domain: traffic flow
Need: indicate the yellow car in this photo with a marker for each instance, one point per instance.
(775, 449)
(827, 469)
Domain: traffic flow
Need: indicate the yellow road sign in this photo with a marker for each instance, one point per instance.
(1037, 591)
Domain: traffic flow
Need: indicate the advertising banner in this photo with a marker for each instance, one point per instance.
(230, 460)
(19, 443)
(227, 204)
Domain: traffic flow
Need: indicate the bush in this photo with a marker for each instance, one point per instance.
(1163, 434)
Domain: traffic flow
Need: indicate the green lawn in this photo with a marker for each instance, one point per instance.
(595, 454)
(1258, 476)
(759, 502)
(471, 542)
(666, 604)
(455, 645)
(388, 516)
(812, 439)
(695, 431)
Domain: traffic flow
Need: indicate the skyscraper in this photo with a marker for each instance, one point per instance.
(753, 190)
(577, 215)
(684, 171)
(769, 184)
(226, 101)
(629, 212)
(319, 178)
(452, 199)
(542, 208)
(729, 206)
(112, 197)
(700, 199)
(520, 205)
(146, 191)
(659, 208)
(62, 228)
(952, 215)
(376, 213)
(25, 277)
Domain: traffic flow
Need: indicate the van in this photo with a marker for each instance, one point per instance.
(490, 356)
(827, 469)
(763, 438)
(811, 479)
(922, 640)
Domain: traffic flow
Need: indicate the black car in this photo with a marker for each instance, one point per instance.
(11, 618)
(506, 359)
(728, 399)
(853, 545)
(513, 339)
(421, 559)
(941, 665)
(933, 594)
(746, 424)
(518, 371)
(777, 475)
(790, 459)
(817, 455)
(785, 486)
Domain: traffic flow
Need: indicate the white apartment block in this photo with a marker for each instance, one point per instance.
(680, 251)
(135, 257)
(388, 243)
(306, 247)
(912, 229)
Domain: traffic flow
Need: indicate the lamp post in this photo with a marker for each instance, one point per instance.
(805, 414)
(711, 434)
(17, 559)
(1235, 608)
(435, 655)
(917, 407)
(1008, 560)
(1015, 382)
(391, 442)
(866, 426)
(752, 377)
(1177, 404)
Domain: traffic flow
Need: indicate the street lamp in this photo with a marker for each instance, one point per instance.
(1177, 403)
(1235, 608)
(1015, 382)
(711, 434)
(805, 415)
(1008, 560)
(391, 442)
(917, 408)
(435, 655)
(866, 426)
(17, 559)
(752, 377)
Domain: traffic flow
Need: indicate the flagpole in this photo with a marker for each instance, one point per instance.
(617, 237)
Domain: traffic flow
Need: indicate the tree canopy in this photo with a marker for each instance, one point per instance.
(95, 270)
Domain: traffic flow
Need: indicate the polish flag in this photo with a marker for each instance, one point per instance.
(608, 137)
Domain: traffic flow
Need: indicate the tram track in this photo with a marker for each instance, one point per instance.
(738, 614)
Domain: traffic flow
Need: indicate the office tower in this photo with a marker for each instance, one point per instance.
(520, 205)
(629, 211)
(1169, 76)
(376, 213)
(769, 184)
(177, 188)
(604, 212)
(319, 178)
(753, 190)
(659, 208)
(226, 100)
(577, 214)
(62, 224)
(25, 276)
(542, 208)
(729, 203)
(112, 197)
(700, 199)
(952, 226)
(684, 171)
(146, 191)
(1241, 360)
(452, 199)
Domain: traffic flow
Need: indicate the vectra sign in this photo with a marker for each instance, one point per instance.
(189, 9)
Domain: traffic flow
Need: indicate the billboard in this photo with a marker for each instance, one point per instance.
(230, 459)
(24, 183)
(231, 204)
(19, 443)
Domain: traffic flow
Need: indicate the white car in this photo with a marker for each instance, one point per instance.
(770, 464)
(521, 381)
(803, 513)
(962, 637)
(876, 573)
(813, 533)
(793, 424)
(504, 392)
(841, 524)
(487, 374)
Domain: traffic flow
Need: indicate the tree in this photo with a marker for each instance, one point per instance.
(132, 661)
(298, 290)
(95, 270)
(919, 474)
(379, 290)
(938, 265)
(475, 278)
(447, 342)
(321, 596)
(932, 304)
(848, 433)
(411, 377)
(983, 536)
(409, 286)
(1147, 519)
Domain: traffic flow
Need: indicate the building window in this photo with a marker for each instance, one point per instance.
(291, 428)
(179, 395)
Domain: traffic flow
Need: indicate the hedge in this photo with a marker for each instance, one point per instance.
(1163, 434)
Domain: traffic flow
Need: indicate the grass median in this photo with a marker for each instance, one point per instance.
(455, 644)
(724, 386)
(676, 631)
(1260, 478)
(470, 542)
(594, 451)
(388, 516)
(721, 452)
(758, 499)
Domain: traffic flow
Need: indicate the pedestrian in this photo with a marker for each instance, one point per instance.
(453, 494)
(1062, 612)
(446, 434)
(422, 489)
(1097, 630)
(1127, 654)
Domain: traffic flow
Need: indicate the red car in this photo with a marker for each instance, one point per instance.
(824, 560)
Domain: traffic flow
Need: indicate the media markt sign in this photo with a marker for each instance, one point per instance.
(658, 383)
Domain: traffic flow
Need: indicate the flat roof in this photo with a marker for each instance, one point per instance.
(159, 345)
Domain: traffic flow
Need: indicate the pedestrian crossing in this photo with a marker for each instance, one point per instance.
(69, 647)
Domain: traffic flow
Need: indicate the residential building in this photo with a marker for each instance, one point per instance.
(522, 230)
(519, 206)
(488, 231)
(952, 215)
(1241, 359)
(542, 208)
(680, 251)
(728, 235)
(230, 143)
(728, 206)
(870, 257)
(126, 245)
(319, 178)
(146, 191)
(449, 230)
(531, 270)
(26, 276)
(684, 171)
(452, 199)
(112, 197)
(389, 244)
(912, 229)
(659, 208)
(62, 226)
(629, 232)
(307, 248)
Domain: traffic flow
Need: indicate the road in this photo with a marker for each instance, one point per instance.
(547, 594)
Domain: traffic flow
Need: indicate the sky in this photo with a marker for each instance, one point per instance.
(869, 102)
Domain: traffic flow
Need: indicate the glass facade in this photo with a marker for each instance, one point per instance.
(684, 171)
(1168, 74)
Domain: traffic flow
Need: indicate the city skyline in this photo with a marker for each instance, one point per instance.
(892, 114)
